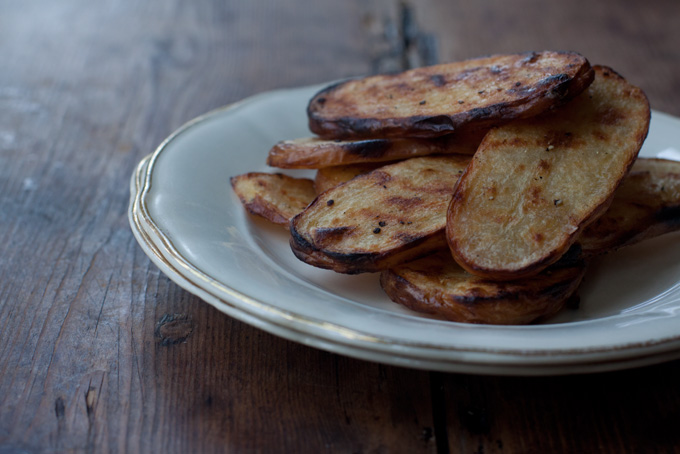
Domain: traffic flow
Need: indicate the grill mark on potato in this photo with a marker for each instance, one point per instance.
(535, 194)
(560, 79)
(326, 235)
(374, 148)
(610, 117)
(484, 112)
(560, 83)
(477, 296)
(490, 192)
(346, 126)
(381, 178)
(353, 259)
(438, 80)
(544, 165)
(562, 139)
(601, 135)
(496, 70)
(404, 203)
(515, 142)
(404, 87)
(467, 74)
(439, 123)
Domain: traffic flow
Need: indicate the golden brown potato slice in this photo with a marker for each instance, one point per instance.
(437, 100)
(437, 285)
(379, 219)
(534, 184)
(646, 204)
(273, 196)
(314, 153)
(330, 177)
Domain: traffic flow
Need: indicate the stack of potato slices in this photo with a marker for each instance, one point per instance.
(478, 189)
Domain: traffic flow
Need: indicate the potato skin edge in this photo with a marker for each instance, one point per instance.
(369, 262)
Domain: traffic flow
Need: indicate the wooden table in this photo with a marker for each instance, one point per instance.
(100, 352)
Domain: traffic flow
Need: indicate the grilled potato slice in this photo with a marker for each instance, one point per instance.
(535, 184)
(330, 177)
(646, 204)
(315, 153)
(437, 100)
(379, 219)
(437, 285)
(273, 196)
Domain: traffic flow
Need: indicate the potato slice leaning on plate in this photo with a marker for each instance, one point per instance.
(437, 100)
(534, 184)
(645, 205)
(379, 219)
(437, 285)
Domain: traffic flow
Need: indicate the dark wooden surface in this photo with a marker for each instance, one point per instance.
(100, 352)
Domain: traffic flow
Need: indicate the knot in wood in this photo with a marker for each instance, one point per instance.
(174, 329)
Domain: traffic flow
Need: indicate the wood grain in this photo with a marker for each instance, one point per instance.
(638, 40)
(604, 413)
(100, 352)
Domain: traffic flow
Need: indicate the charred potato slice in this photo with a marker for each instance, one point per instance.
(535, 184)
(646, 204)
(437, 285)
(275, 197)
(379, 219)
(437, 100)
(315, 153)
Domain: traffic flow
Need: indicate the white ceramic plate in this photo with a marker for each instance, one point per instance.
(186, 218)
